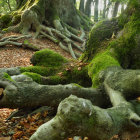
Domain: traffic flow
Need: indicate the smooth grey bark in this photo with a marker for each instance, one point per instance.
(96, 10)
(115, 10)
(108, 7)
(82, 7)
(88, 7)
(79, 116)
(25, 93)
(104, 10)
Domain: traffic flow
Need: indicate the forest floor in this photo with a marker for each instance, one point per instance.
(21, 128)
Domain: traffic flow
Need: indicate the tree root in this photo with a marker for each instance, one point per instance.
(79, 116)
(48, 95)
(59, 35)
(11, 40)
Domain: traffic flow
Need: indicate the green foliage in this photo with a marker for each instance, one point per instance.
(44, 71)
(47, 58)
(99, 63)
(4, 6)
(36, 77)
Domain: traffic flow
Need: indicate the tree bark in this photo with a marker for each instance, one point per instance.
(82, 6)
(104, 10)
(88, 8)
(115, 10)
(96, 10)
(79, 116)
(41, 95)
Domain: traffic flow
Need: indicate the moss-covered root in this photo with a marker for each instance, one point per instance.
(79, 76)
(100, 63)
(101, 32)
(50, 80)
(43, 71)
(47, 58)
(78, 116)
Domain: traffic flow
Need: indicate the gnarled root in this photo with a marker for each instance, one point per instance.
(78, 116)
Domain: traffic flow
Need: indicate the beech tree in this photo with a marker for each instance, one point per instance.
(108, 103)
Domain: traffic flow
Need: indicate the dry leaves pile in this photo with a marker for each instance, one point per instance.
(22, 127)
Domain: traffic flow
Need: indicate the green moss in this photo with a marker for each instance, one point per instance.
(101, 31)
(47, 58)
(7, 77)
(55, 80)
(36, 77)
(5, 20)
(76, 85)
(127, 47)
(27, 43)
(100, 63)
(44, 71)
(79, 77)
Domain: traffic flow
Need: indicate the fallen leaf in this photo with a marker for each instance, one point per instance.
(5, 138)
(17, 135)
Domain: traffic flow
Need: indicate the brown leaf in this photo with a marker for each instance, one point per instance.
(25, 138)
(18, 134)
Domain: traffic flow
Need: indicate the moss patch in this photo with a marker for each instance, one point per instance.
(7, 77)
(47, 58)
(44, 71)
(127, 46)
(36, 77)
(101, 31)
(5, 21)
(79, 77)
(100, 63)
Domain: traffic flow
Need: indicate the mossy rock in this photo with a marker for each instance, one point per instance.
(44, 71)
(48, 58)
(99, 63)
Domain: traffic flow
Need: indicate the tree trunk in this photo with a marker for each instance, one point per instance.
(96, 10)
(122, 8)
(104, 10)
(82, 6)
(88, 7)
(115, 10)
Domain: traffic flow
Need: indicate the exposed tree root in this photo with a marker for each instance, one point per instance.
(11, 40)
(60, 35)
(79, 116)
